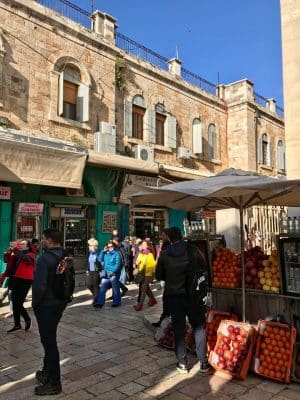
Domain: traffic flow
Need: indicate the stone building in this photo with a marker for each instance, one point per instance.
(88, 116)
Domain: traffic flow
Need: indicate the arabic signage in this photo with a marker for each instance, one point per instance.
(5, 193)
(31, 208)
(109, 221)
(73, 212)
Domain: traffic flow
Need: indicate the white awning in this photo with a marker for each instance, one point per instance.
(40, 161)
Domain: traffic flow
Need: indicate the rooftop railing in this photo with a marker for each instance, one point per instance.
(81, 16)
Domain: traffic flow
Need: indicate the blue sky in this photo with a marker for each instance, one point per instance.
(235, 38)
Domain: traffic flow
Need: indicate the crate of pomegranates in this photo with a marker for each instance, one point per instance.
(214, 317)
(295, 375)
(274, 350)
(234, 348)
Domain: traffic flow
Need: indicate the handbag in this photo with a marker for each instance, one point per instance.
(138, 275)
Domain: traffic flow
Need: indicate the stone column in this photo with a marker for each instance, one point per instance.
(104, 24)
(2, 55)
(271, 105)
(175, 66)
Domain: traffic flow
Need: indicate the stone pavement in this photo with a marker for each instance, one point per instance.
(110, 354)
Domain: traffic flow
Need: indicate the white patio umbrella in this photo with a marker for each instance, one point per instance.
(232, 188)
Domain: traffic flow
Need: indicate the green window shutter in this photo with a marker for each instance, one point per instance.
(60, 104)
(151, 125)
(83, 103)
(270, 155)
(171, 132)
(128, 118)
(259, 151)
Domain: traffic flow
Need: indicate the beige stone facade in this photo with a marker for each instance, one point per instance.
(38, 45)
(290, 22)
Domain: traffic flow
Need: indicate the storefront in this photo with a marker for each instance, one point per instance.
(29, 220)
(148, 222)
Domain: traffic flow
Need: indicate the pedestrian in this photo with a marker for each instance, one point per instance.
(110, 258)
(174, 267)
(146, 265)
(124, 260)
(128, 264)
(20, 267)
(48, 310)
(93, 268)
(164, 243)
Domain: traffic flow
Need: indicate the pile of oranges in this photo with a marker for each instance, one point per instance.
(227, 269)
(274, 352)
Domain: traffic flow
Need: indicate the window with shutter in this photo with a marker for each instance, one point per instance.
(281, 155)
(212, 142)
(160, 129)
(137, 122)
(70, 91)
(197, 136)
(265, 149)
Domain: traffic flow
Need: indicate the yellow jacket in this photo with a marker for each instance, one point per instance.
(146, 262)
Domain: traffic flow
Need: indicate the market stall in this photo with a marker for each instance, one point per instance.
(236, 189)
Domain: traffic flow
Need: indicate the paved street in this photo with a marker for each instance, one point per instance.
(110, 354)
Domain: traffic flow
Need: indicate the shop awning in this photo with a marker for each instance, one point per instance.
(36, 160)
(117, 161)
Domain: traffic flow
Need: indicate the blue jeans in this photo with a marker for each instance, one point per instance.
(107, 283)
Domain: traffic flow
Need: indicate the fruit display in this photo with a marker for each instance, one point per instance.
(269, 276)
(274, 348)
(213, 320)
(262, 271)
(226, 269)
(233, 350)
(296, 364)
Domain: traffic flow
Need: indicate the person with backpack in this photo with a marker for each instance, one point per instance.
(124, 263)
(19, 270)
(49, 303)
(181, 266)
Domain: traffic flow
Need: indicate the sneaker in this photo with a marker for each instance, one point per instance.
(152, 302)
(182, 368)
(42, 376)
(138, 307)
(15, 328)
(124, 291)
(48, 389)
(96, 305)
(205, 368)
(115, 305)
(28, 325)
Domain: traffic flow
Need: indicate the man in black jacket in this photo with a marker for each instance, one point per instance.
(48, 310)
(174, 268)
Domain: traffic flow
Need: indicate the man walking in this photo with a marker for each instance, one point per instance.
(48, 310)
(174, 267)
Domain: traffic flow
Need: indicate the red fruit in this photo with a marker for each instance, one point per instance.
(226, 340)
(236, 345)
(221, 364)
(230, 328)
(228, 355)
(253, 272)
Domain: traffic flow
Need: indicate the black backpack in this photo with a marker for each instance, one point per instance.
(64, 280)
(197, 280)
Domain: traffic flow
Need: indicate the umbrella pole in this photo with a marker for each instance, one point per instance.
(243, 263)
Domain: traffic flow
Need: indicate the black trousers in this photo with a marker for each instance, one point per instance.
(48, 317)
(92, 283)
(20, 288)
(180, 308)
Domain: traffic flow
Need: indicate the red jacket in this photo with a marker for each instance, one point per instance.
(25, 268)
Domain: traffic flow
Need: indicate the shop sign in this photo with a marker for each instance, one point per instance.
(5, 193)
(135, 183)
(109, 221)
(73, 212)
(26, 228)
(31, 208)
(209, 214)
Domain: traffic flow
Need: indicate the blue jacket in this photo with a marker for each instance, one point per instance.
(111, 261)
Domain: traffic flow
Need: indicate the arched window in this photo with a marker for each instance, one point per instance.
(138, 112)
(212, 142)
(281, 155)
(73, 96)
(265, 149)
(197, 136)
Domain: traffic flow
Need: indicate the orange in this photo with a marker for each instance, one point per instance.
(267, 340)
(275, 329)
(277, 375)
(272, 374)
(273, 343)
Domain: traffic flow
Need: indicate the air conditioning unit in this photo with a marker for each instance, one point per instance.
(105, 139)
(144, 153)
(183, 152)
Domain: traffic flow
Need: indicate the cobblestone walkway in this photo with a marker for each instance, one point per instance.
(110, 354)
